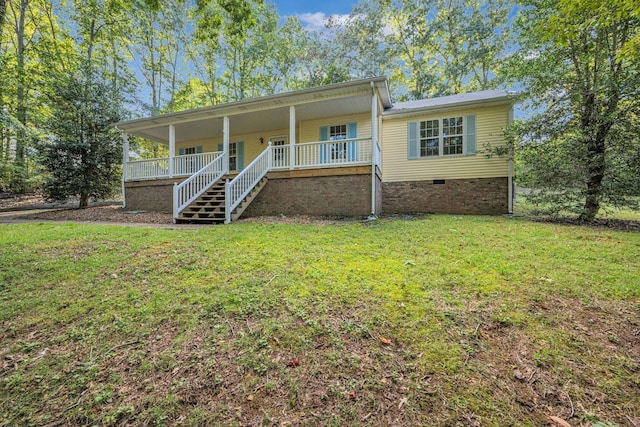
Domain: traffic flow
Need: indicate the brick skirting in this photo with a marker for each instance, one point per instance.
(484, 196)
(344, 192)
(150, 195)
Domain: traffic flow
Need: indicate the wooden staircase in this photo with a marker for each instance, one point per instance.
(209, 208)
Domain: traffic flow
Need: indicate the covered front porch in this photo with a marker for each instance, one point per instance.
(240, 143)
(317, 154)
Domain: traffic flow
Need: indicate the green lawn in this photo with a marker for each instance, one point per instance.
(443, 320)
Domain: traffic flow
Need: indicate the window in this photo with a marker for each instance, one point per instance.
(430, 138)
(342, 146)
(190, 150)
(452, 135)
(442, 137)
(338, 149)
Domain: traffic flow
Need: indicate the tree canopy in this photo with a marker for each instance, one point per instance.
(576, 62)
(580, 146)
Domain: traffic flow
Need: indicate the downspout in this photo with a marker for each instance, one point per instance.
(510, 177)
(125, 160)
(374, 148)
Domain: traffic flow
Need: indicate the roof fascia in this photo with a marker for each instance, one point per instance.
(299, 97)
(506, 100)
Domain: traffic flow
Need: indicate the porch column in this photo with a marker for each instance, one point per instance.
(375, 152)
(292, 137)
(225, 141)
(172, 149)
(125, 166)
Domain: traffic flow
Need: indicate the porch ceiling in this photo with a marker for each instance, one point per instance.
(260, 115)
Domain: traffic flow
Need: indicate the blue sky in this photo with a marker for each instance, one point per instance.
(313, 13)
(297, 7)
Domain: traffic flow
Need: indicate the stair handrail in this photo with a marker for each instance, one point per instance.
(240, 187)
(193, 187)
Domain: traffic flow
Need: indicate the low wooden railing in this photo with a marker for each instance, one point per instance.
(333, 153)
(148, 169)
(159, 168)
(192, 163)
(191, 188)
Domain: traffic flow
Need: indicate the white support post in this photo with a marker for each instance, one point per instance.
(374, 147)
(292, 137)
(225, 141)
(125, 166)
(227, 203)
(172, 149)
(175, 202)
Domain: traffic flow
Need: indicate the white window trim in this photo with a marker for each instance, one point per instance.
(441, 137)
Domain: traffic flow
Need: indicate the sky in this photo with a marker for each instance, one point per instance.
(313, 13)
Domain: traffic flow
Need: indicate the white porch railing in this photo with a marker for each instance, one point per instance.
(191, 188)
(159, 168)
(192, 163)
(146, 169)
(333, 153)
(240, 187)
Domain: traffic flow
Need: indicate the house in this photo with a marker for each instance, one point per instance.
(341, 149)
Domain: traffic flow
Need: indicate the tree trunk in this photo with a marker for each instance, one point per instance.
(21, 93)
(596, 170)
(84, 200)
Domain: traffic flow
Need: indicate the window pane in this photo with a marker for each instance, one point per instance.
(337, 132)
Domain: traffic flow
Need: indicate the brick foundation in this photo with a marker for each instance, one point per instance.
(485, 196)
(344, 192)
(150, 195)
(338, 191)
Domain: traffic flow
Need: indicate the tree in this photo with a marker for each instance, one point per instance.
(84, 153)
(580, 145)
(3, 11)
(444, 47)
(359, 43)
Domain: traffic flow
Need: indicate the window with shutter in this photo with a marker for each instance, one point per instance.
(446, 136)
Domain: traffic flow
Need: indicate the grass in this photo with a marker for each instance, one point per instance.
(444, 320)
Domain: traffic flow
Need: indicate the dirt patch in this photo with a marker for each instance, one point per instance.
(609, 223)
(114, 214)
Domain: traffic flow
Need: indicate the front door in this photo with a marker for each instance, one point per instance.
(280, 149)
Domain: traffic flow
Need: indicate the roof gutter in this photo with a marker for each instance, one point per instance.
(409, 112)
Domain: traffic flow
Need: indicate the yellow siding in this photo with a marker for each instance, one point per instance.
(252, 146)
(309, 130)
(397, 167)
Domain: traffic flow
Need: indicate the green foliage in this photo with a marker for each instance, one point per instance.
(580, 146)
(18, 179)
(82, 157)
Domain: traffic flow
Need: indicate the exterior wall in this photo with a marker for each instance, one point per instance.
(252, 146)
(336, 191)
(485, 196)
(309, 130)
(397, 167)
(150, 195)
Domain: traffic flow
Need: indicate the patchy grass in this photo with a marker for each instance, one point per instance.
(444, 320)
(524, 207)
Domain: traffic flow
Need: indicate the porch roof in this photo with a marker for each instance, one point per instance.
(264, 113)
